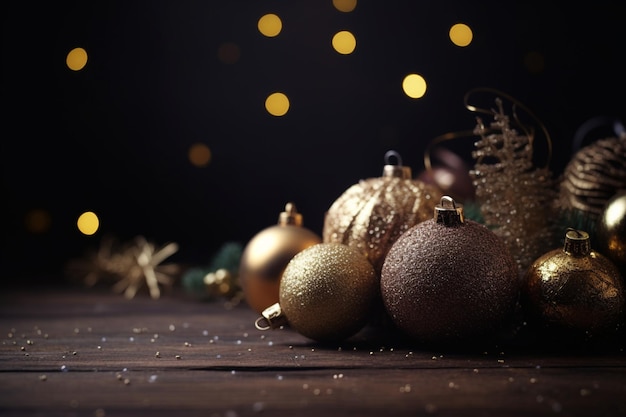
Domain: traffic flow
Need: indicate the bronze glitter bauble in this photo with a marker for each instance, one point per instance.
(267, 254)
(373, 213)
(327, 291)
(449, 279)
(574, 292)
(611, 231)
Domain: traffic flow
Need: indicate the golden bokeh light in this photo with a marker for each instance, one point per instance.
(277, 104)
(76, 59)
(461, 34)
(414, 85)
(37, 221)
(88, 223)
(344, 42)
(199, 155)
(270, 25)
(345, 5)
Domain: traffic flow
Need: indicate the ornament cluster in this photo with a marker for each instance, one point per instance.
(400, 253)
(525, 254)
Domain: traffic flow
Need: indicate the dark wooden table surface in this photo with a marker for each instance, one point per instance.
(78, 352)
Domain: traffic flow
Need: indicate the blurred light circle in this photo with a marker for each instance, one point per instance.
(461, 34)
(88, 223)
(270, 25)
(277, 104)
(414, 85)
(76, 59)
(344, 42)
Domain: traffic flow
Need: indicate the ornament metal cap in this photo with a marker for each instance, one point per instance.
(397, 170)
(577, 243)
(271, 318)
(448, 213)
(290, 216)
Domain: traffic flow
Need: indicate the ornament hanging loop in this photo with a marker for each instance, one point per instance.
(584, 130)
(515, 104)
(448, 213)
(395, 170)
(428, 166)
(393, 154)
(271, 318)
(290, 216)
(577, 243)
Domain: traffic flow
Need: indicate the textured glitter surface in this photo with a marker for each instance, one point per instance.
(264, 259)
(516, 197)
(578, 296)
(327, 291)
(373, 213)
(443, 284)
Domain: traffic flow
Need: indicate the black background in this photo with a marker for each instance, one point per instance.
(114, 137)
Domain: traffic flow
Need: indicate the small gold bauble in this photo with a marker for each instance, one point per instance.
(575, 292)
(611, 231)
(327, 291)
(373, 213)
(267, 254)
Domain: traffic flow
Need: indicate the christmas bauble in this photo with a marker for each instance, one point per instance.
(219, 278)
(373, 213)
(594, 174)
(266, 255)
(450, 175)
(611, 231)
(327, 291)
(574, 292)
(450, 279)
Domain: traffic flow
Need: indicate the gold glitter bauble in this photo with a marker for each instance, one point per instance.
(449, 279)
(327, 291)
(574, 292)
(373, 213)
(267, 254)
(611, 231)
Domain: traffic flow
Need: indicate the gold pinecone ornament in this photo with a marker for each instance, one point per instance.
(595, 173)
(373, 213)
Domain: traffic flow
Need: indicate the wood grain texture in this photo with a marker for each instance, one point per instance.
(92, 353)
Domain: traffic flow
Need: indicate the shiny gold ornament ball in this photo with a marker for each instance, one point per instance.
(574, 292)
(449, 280)
(373, 213)
(327, 292)
(611, 231)
(266, 255)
